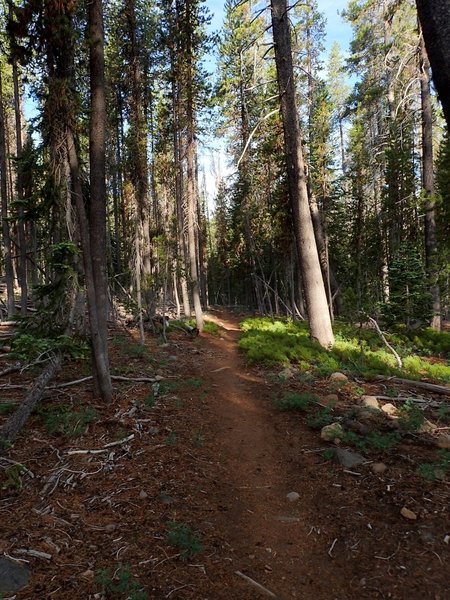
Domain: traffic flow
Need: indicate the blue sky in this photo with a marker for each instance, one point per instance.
(337, 29)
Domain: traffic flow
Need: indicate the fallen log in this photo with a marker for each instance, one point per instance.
(423, 385)
(17, 420)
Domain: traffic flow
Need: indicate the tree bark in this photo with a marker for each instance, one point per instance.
(21, 237)
(192, 197)
(97, 215)
(100, 352)
(9, 272)
(316, 300)
(434, 16)
(428, 187)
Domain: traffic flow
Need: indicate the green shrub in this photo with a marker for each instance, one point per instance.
(320, 418)
(64, 420)
(437, 469)
(120, 585)
(28, 347)
(294, 401)
(411, 416)
(356, 351)
(211, 328)
(7, 407)
(184, 539)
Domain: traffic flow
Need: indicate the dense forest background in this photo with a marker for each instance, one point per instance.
(124, 106)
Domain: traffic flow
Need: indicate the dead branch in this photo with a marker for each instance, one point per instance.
(9, 370)
(105, 448)
(257, 585)
(17, 420)
(387, 344)
(431, 387)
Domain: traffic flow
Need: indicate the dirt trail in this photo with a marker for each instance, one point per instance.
(271, 539)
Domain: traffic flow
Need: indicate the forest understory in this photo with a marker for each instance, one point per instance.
(194, 485)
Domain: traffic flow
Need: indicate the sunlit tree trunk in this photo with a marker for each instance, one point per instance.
(9, 272)
(21, 237)
(316, 299)
(428, 187)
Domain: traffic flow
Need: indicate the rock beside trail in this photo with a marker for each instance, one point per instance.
(356, 426)
(348, 459)
(13, 576)
(443, 441)
(390, 410)
(287, 373)
(379, 468)
(332, 433)
(339, 377)
(330, 400)
(370, 402)
(408, 514)
(427, 427)
(293, 496)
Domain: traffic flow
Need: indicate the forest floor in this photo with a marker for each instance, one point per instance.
(186, 490)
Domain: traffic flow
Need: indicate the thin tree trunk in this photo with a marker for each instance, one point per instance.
(100, 351)
(316, 300)
(192, 202)
(21, 238)
(428, 187)
(97, 215)
(9, 272)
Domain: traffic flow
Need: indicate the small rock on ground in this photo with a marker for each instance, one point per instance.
(443, 441)
(390, 410)
(340, 377)
(408, 514)
(331, 433)
(293, 496)
(347, 458)
(370, 402)
(13, 576)
(330, 399)
(379, 468)
(286, 374)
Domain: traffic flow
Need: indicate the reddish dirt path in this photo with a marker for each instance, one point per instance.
(331, 544)
(273, 541)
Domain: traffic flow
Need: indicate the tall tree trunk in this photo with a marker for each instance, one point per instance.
(138, 135)
(97, 215)
(21, 237)
(9, 272)
(191, 184)
(316, 299)
(428, 187)
(100, 352)
(434, 16)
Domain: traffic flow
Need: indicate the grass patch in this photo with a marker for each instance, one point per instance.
(211, 328)
(320, 418)
(356, 351)
(184, 539)
(294, 401)
(122, 584)
(128, 348)
(7, 407)
(63, 420)
(437, 469)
